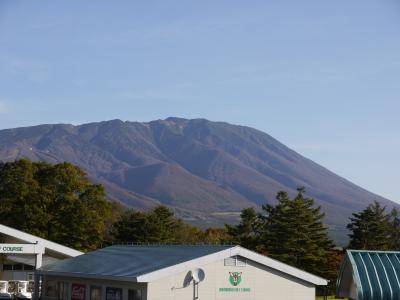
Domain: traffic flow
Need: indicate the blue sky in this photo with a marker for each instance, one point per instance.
(323, 77)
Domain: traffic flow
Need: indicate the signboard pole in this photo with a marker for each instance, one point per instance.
(38, 263)
(36, 287)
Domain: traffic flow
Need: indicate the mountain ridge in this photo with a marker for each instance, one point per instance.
(207, 171)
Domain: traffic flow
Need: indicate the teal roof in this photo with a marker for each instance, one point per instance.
(126, 261)
(376, 274)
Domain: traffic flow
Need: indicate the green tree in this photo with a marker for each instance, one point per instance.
(294, 233)
(163, 226)
(131, 227)
(394, 229)
(370, 229)
(55, 202)
(247, 232)
(217, 235)
(156, 226)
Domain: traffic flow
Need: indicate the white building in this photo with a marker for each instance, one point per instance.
(163, 272)
(21, 253)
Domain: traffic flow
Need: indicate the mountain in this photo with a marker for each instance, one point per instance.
(207, 171)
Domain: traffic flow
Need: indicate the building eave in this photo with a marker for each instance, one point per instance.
(87, 276)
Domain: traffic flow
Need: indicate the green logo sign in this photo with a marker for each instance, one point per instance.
(235, 278)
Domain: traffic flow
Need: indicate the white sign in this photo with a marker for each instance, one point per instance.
(21, 248)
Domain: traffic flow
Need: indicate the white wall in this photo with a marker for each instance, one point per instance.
(258, 283)
(262, 282)
(16, 275)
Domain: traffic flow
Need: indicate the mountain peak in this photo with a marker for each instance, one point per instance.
(207, 171)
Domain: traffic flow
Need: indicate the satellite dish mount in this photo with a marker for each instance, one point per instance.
(197, 276)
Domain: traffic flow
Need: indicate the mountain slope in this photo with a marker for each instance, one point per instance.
(208, 171)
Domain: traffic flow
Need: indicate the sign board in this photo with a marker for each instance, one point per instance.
(78, 291)
(21, 248)
(235, 278)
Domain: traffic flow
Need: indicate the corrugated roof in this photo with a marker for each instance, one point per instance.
(375, 273)
(129, 261)
(150, 263)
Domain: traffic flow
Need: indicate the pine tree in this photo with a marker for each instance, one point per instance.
(247, 232)
(294, 233)
(370, 229)
(394, 229)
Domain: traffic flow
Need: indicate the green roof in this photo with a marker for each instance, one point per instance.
(376, 274)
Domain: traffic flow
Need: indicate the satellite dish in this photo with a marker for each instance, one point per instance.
(198, 275)
(188, 279)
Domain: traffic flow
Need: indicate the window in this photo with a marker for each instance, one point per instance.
(51, 288)
(95, 293)
(18, 267)
(29, 268)
(135, 294)
(63, 290)
(113, 294)
(7, 267)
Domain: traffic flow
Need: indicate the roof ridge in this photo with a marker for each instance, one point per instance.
(373, 251)
(168, 244)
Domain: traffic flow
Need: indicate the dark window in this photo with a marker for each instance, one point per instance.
(113, 293)
(135, 294)
(7, 267)
(18, 267)
(51, 288)
(29, 268)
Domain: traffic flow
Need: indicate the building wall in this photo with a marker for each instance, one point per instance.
(23, 272)
(16, 275)
(125, 286)
(347, 287)
(257, 282)
(353, 291)
(22, 261)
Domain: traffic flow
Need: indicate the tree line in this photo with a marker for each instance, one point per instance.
(58, 202)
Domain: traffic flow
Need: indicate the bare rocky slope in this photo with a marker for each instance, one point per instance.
(207, 171)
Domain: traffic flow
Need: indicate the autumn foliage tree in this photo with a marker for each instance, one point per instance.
(55, 202)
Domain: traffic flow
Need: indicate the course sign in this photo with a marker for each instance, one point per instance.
(21, 248)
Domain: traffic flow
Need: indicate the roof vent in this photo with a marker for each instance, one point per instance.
(235, 261)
